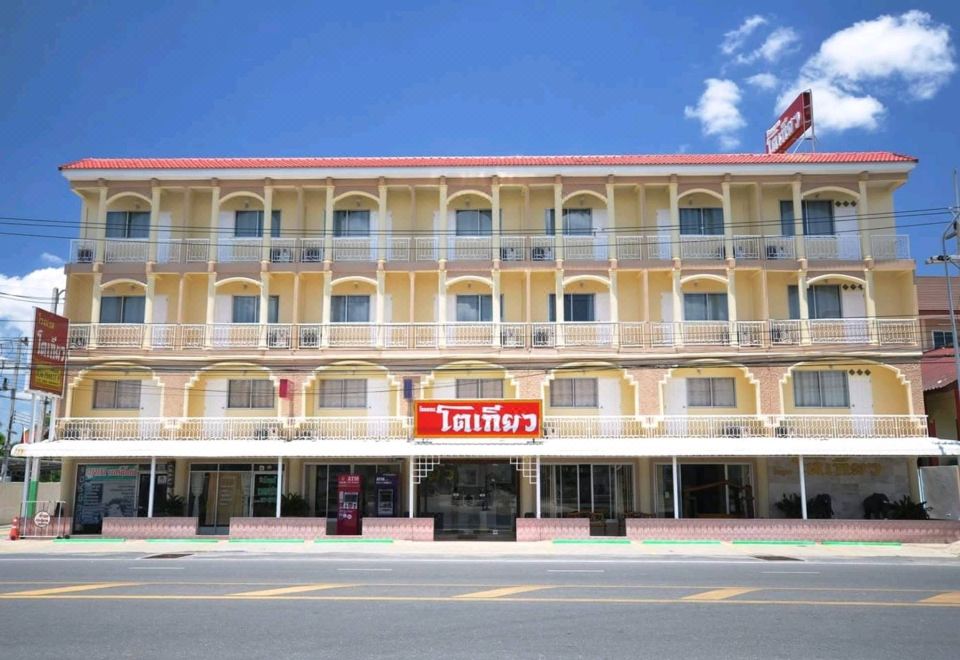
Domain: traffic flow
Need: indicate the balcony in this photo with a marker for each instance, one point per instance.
(411, 336)
(373, 429)
(536, 248)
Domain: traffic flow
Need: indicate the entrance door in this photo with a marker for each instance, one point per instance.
(861, 403)
(471, 500)
(218, 493)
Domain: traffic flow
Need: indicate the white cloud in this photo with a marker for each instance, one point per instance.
(777, 43)
(51, 259)
(890, 54)
(16, 316)
(765, 81)
(718, 113)
(733, 40)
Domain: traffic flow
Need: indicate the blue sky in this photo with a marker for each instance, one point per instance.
(307, 78)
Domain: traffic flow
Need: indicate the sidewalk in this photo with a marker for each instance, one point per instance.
(587, 548)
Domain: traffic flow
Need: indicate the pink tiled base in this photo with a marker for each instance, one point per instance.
(277, 528)
(149, 528)
(903, 531)
(29, 529)
(547, 529)
(400, 529)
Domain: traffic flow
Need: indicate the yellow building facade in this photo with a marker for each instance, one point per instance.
(694, 326)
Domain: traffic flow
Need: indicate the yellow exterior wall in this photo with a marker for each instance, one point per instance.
(213, 383)
(746, 392)
(82, 393)
(890, 396)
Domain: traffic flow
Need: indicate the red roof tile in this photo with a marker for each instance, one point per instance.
(938, 369)
(487, 161)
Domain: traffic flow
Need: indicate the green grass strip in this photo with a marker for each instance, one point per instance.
(892, 544)
(89, 540)
(182, 540)
(267, 541)
(681, 542)
(593, 541)
(329, 539)
(772, 542)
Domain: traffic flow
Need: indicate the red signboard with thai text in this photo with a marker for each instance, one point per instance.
(791, 125)
(49, 361)
(458, 418)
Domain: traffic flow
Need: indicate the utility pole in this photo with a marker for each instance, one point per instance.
(8, 441)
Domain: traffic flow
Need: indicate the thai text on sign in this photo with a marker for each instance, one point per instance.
(478, 419)
(49, 359)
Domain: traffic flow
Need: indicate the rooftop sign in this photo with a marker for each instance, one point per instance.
(791, 125)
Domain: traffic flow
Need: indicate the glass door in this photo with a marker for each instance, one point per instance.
(217, 493)
(471, 500)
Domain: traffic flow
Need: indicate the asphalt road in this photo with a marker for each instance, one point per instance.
(290, 606)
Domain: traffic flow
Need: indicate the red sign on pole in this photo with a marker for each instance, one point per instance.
(791, 125)
(49, 361)
(457, 418)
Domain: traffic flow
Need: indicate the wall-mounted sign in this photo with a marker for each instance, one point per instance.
(791, 125)
(457, 418)
(49, 361)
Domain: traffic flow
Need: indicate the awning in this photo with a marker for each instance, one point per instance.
(554, 448)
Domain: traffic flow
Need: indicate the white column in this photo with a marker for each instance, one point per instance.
(497, 225)
(211, 302)
(614, 307)
(327, 289)
(153, 481)
(328, 222)
(558, 307)
(674, 218)
(100, 230)
(537, 487)
(214, 222)
(863, 219)
(410, 486)
(727, 219)
(267, 222)
(95, 295)
(442, 308)
(870, 306)
(381, 301)
(676, 489)
(804, 310)
(443, 240)
(54, 405)
(677, 291)
(558, 221)
(154, 221)
(732, 305)
(611, 236)
(264, 316)
(279, 483)
(148, 308)
(801, 245)
(382, 237)
(803, 489)
(497, 312)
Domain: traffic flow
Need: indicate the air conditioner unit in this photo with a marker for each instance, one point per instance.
(542, 254)
(543, 337)
(312, 255)
(85, 256)
(77, 343)
(281, 255)
(511, 254)
(277, 338)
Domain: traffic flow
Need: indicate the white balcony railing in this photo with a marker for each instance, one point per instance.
(355, 248)
(396, 428)
(571, 334)
(126, 250)
(887, 248)
(843, 247)
(230, 250)
(470, 248)
(779, 248)
(701, 247)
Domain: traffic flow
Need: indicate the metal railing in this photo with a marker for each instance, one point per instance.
(506, 335)
(374, 428)
(845, 247)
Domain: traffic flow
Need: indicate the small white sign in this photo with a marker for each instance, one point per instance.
(42, 519)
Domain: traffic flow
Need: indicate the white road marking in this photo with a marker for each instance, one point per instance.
(791, 572)
(365, 569)
(156, 568)
(575, 570)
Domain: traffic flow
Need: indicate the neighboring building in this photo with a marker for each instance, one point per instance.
(706, 317)
(934, 310)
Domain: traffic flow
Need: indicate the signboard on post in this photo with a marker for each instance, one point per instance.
(458, 418)
(49, 360)
(791, 125)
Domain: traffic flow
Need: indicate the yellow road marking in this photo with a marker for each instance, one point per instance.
(505, 591)
(299, 589)
(946, 598)
(53, 591)
(720, 594)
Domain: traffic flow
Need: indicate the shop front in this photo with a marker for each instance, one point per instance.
(471, 500)
(221, 491)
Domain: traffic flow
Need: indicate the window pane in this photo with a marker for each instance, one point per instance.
(128, 394)
(261, 394)
(133, 309)
(698, 392)
(578, 307)
(585, 392)
(273, 310)
(111, 308)
(694, 307)
(834, 388)
(238, 394)
(713, 221)
(491, 388)
(818, 218)
(358, 309)
(248, 224)
(275, 227)
(351, 223)
(468, 308)
(825, 302)
(138, 225)
(104, 393)
(578, 221)
(690, 222)
(717, 307)
(787, 227)
(116, 224)
(724, 393)
(561, 393)
(355, 393)
(806, 389)
(246, 309)
(468, 388)
(330, 393)
(793, 301)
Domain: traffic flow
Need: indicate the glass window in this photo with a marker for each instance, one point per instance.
(116, 394)
(701, 221)
(342, 393)
(705, 307)
(128, 224)
(942, 339)
(474, 308)
(574, 393)
(821, 389)
(246, 309)
(474, 222)
(351, 223)
(122, 309)
(577, 307)
(479, 388)
(823, 301)
(249, 224)
(250, 394)
(711, 392)
(817, 218)
(576, 222)
(350, 309)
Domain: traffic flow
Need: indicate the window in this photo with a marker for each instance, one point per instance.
(479, 388)
(477, 222)
(701, 222)
(342, 393)
(116, 394)
(817, 218)
(121, 309)
(249, 224)
(577, 307)
(574, 393)
(250, 394)
(351, 223)
(128, 224)
(576, 222)
(474, 308)
(823, 301)
(350, 309)
(942, 339)
(711, 393)
(705, 307)
(821, 389)
(246, 309)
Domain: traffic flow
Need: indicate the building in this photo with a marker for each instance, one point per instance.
(934, 310)
(699, 328)
(940, 393)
